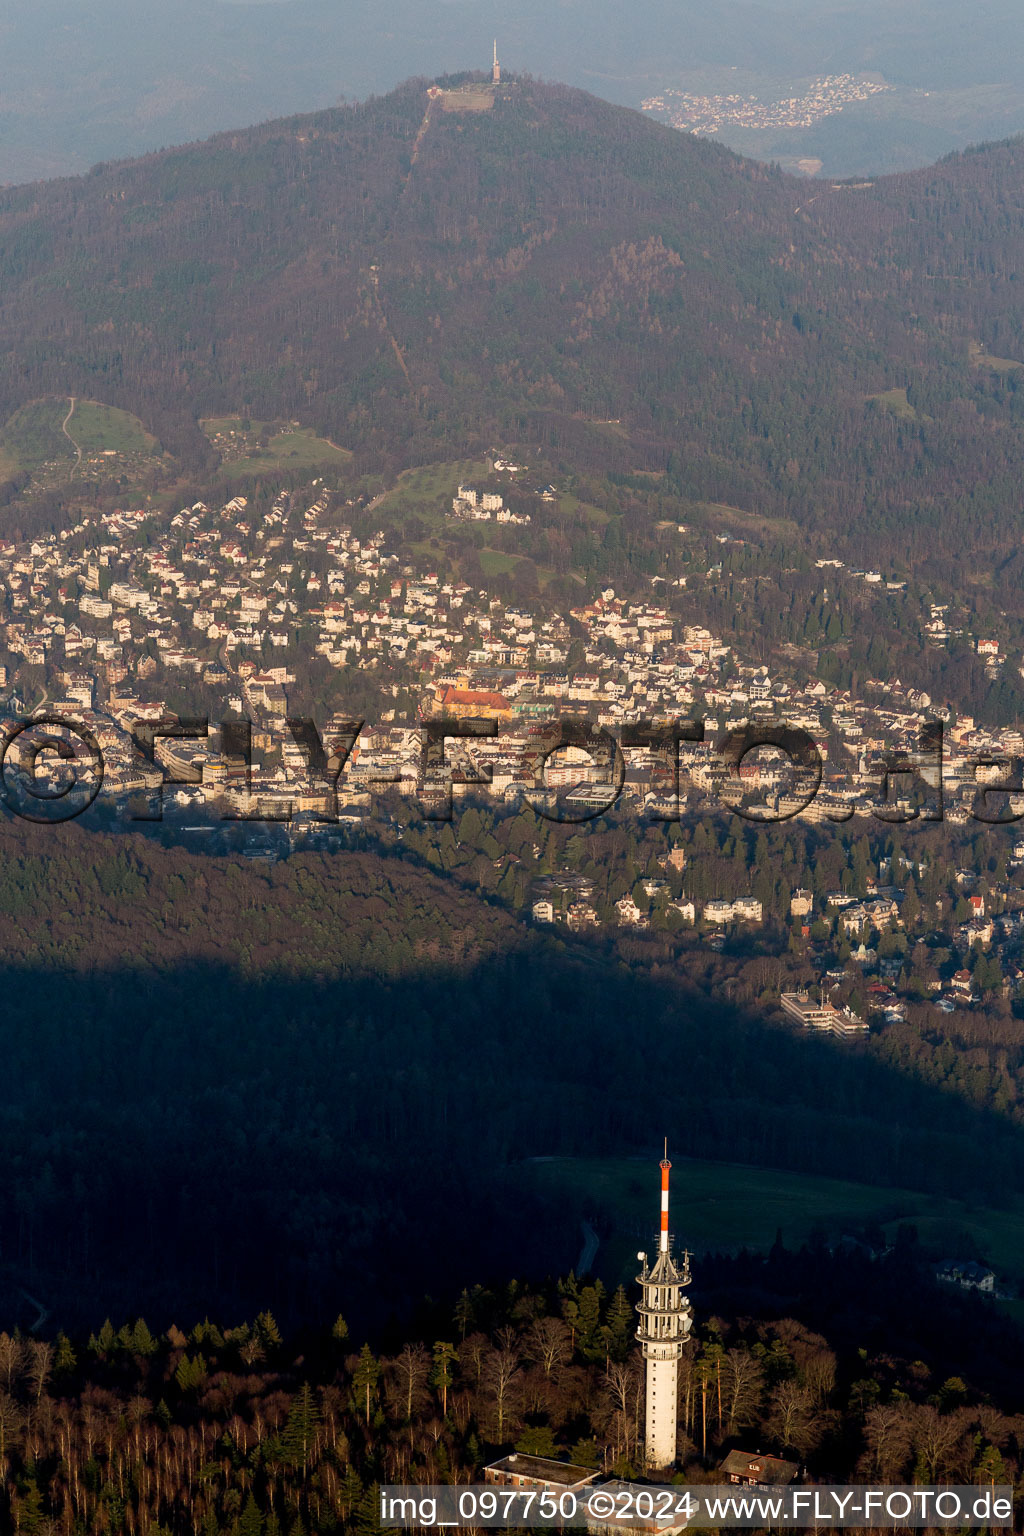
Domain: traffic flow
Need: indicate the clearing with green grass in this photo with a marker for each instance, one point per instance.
(426, 492)
(495, 562)
(722, 1207)
(978, 357)
(895, 401)
(103, 429)
(719, 512)
(250, 447)
(33, 436)
(571, 506)
(51, 432)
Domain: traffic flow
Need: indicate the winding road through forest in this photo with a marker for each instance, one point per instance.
(67, 434)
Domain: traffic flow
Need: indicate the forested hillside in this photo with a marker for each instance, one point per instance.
(415, 282)
(310, 1083)
(303, 1083)
(234, 1428)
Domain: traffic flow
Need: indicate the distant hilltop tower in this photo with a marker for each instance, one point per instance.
(665, 1322)
(496, 67)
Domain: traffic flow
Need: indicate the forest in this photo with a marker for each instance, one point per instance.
(248, 1430)
(562, 273)
(234, 1083)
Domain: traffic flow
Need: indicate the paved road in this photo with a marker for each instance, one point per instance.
(588, 1253)
(44, 1312)
(67, 434)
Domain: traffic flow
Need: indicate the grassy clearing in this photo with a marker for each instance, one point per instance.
(215, 425)
(495, 562)
(467, 101)
(980, 358)
(287, 446)
(306, 446)
(610, 424)
(749, 522)
(570, 506)
(895, 400)
(100, 428)
(728, 1206)
(33, 435)
(427, 491)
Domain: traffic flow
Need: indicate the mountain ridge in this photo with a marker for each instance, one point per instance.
(406, 279)
(116, 77)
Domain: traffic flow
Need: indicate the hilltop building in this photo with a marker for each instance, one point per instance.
(753, 1470)
(665, 1323)
(539, 1473)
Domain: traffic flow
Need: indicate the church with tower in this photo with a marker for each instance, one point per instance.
(665, 1322)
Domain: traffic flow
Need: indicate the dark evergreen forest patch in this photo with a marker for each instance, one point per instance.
(306, 1082)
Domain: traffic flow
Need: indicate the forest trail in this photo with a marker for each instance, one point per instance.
(375, 278)
(417, 142)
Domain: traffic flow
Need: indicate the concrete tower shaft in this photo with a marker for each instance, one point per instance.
(665, 1323)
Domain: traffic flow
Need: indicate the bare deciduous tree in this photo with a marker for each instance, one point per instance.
(412, 1367)
(12, 1354)
(937, 1439)
(40, 1364)
(500, 1372)
(792, 1420)
(887, 1432)
(623, 1388)
(547, 1343)
(10, 1422)
(742, 1388)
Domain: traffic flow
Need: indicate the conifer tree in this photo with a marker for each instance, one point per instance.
(301, 1428)
(365, 1377)
(620, 1322)
(441, 1373)
(266, 1327)
(64, 1359)
(250, 1521)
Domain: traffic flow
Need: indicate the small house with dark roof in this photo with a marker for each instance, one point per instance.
(752, 1469)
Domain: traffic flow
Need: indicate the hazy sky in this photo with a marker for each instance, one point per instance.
(85, 80)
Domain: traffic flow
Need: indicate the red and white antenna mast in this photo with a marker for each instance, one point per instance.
(665, 1169)
(665, 1322)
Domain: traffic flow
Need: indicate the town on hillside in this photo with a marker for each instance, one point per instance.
(127, 616)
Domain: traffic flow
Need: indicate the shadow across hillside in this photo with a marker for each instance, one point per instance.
(188, 1140)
